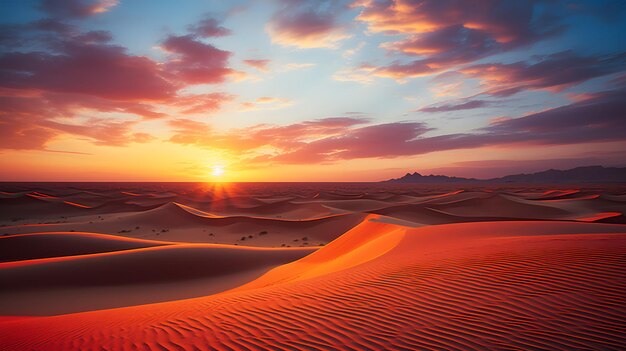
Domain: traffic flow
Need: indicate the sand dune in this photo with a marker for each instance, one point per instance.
(132, 276)
(55, 244)
(499, 205)
(285, 209)
(422, 215)
(180, 267)
(173, 222)
(33, 207)
(464, 286)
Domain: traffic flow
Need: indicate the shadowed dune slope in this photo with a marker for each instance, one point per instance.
(468, 286)
(132, 276)
(30, 206)
(176, 222)
(53, 244)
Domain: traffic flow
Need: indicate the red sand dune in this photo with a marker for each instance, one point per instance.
(407, 268)
(502, 285)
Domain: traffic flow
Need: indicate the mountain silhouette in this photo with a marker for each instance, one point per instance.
(588, 174)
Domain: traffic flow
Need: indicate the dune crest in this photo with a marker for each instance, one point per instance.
(349, 267)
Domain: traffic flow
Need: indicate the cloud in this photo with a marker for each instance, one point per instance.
(76, 8)
(55, 78)
(266, 103)
(361, 74)
(30, 123)
(21, 134)
(444, 34)
(597, 119)
(504, 21)
(195, 62)
(467, 105)
(296, 66)
(191, 132)
(443, 49)
(261, 65)
(307, 25)
(86, 65)
(201, 103)
(554, 72)
(102, 131)
(209, 27)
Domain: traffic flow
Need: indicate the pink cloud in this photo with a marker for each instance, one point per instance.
(447, 33)
(21, 134)
(78, 75)
(191, 132)
(30, 123)
(76, 8)
(209, 27)
(465, 105)
(195, 62)
(307, 25)
(554, 72)
(261, 65)
(597, 119)
(201, 103)
(102, 131)
(97, 69)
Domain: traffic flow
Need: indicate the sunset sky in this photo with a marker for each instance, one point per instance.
(138, 90)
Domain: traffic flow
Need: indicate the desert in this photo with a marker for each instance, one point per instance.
(402, 175)
(353, 265)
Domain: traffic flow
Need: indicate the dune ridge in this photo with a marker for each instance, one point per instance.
(324, 267)
(488, 286)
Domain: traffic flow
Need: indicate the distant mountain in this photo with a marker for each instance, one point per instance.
(429, 179)
(590, 174)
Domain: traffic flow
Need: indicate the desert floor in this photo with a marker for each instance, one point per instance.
(312, 266)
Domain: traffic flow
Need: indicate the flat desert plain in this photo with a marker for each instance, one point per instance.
(312, 266)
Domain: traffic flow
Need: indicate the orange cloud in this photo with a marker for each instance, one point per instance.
(261, 65)
(266, 103)
(445, 34)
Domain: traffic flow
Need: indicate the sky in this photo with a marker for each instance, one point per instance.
(292, 90)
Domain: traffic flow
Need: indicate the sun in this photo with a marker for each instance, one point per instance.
(217, 171)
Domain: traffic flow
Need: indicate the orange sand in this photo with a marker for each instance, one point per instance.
(440, 269)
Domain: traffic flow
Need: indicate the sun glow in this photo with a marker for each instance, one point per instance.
(217, 171)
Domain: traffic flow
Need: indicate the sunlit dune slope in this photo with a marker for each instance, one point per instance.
(468, 286)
